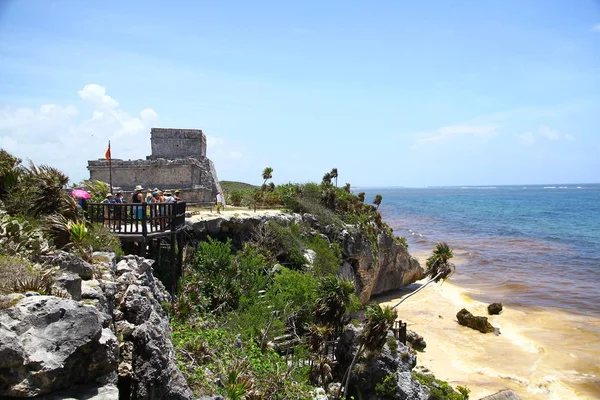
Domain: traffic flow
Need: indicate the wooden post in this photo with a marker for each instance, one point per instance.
(173, 266)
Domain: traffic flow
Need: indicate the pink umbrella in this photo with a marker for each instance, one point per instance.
(81, 194)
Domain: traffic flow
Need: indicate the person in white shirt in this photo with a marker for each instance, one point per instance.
(219, 202)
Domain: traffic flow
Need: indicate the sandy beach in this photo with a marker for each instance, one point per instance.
(540, 353)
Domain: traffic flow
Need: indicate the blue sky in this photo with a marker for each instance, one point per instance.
(392, 93)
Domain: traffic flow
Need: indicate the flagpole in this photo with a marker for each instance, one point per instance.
(110, 167)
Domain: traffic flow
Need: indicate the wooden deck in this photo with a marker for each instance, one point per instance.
(139, 221)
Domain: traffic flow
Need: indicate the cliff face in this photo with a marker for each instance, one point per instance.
(107, 335)
(374, 269)
(377, 269)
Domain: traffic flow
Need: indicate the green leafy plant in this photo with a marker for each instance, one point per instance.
(387, 387)
(20, 237)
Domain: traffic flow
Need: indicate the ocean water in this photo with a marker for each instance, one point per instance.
(536, 250)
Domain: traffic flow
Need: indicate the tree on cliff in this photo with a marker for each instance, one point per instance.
(267, 174)
(438, 267)
(378, 321)
(377, 201)
(334, 175)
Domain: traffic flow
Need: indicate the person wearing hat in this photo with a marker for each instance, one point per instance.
(138, 197)
(108, 210)
(177, 193)
(149, 195)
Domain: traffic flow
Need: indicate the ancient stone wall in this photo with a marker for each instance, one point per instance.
(177, 143)
(178, 161)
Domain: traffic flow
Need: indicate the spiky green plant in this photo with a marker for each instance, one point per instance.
(334, 297)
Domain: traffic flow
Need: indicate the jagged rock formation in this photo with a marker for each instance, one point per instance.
(372, 369)
(48, 343)
(480, 324)
(374, 269)
(112, 333)
(505, 394)
(415, 340)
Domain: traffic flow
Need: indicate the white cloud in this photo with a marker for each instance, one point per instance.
(96, 94)
(548, 133)
(446, 133)
(596, 28)
(527, 138)
(57, 135)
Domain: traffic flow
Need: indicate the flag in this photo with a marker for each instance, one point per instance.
(107, 155)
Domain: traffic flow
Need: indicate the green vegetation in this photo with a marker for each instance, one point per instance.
(387, 387)
(37, 215)
(441, 390)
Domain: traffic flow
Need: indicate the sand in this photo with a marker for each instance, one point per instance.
(540, 354)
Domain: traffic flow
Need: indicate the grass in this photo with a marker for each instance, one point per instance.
(230, 186)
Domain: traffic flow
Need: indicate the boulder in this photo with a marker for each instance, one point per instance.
(108, 391)
(505, 394)
(416, 341)
(69, 262)
(480, 324)
(49, 343)
(70, 283)
(494, 308)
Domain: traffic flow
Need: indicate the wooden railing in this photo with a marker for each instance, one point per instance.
(138, 218)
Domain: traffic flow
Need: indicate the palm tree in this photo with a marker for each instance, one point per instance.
(327, 178)
(334, 297)
(334, 175)
(267, 174)
(347, 188)
(438, 268)
(377, 201)
(378, 321)
(361, 197)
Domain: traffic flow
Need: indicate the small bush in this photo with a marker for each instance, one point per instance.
(387, 387)
(440, 390)
(20, 237)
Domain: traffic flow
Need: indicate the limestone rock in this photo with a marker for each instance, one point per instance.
(416, 341)
(69, 262)
(505, 394)
(494, 308)
(480, 324)
(88, 392)
(49, 343)
(70, 283)
(372, 369)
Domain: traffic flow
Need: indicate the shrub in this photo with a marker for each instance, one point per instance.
(20, 237)
(440, 390)
(387, 387)
(327, 256)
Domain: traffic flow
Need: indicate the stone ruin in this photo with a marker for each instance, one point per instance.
(178, 161)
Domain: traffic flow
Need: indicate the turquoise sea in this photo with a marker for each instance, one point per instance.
(533, 248)
(527, 246)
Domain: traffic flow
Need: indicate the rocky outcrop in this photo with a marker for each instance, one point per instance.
(480, 324)
(415, 340)
(494, 308)
(112, 344)
(375, 268)
(372, 369)
(505, 394)
(148, 369)
(49, 343)
(68, 262)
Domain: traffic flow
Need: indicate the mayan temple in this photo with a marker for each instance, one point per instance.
(178, 161)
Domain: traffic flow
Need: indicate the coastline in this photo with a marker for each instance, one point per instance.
(540, 354)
